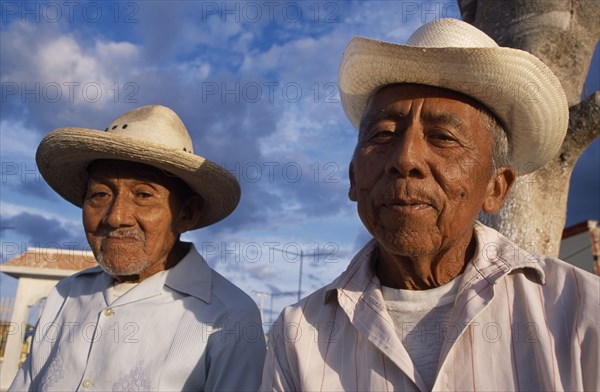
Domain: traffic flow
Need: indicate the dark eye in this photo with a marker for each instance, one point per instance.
(98, 195)
(144, 195)
(382, 137)
(441, 137)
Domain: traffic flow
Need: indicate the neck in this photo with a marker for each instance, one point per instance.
(422, 272)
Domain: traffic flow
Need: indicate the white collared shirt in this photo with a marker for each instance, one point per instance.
(520, 321)
(186, 329)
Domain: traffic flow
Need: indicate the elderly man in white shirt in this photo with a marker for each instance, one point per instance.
(153, 315)
(438, 301)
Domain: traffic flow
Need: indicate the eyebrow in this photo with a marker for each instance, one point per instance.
(140, 179)
(381, 114)
(446, 118)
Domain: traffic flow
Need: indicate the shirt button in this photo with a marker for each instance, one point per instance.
(108, 312)
(87, 383)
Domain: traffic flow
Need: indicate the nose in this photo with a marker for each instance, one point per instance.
(407, 159)
(119, 213)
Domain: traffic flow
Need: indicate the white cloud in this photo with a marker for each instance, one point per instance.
(304, 59)
(61, 58)
(61, 67)
(9, 210)
(17, 140)
(194, 71)
(115, 58)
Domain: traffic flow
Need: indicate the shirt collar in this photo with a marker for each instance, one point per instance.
(359, 274)
(191, 276)
(495, 257)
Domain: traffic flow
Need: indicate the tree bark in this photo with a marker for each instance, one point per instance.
(563, 34)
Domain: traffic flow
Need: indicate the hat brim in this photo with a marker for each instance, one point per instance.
(64, 155)
(516, 86)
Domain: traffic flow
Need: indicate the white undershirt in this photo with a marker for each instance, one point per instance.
(420, 318)
(118, 289)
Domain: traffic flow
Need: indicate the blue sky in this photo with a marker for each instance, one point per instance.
(255, 83)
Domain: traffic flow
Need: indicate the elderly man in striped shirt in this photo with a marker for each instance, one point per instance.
(437, 300)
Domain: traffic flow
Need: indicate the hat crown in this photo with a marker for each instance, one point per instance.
(153, 124)
(450, 33)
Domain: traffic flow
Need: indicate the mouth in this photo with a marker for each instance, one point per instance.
(408, 206)
(122, 238)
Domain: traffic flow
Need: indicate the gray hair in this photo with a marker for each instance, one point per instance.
(500, 142)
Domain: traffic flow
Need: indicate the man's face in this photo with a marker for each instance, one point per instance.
(131, 216)
(422, 169)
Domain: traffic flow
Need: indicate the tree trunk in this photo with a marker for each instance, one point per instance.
(563, 34)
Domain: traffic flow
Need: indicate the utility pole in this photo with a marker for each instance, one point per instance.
(300, 274)
(301, 254)
(261, 295)
(281, 294)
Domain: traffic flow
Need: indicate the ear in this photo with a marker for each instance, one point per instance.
(352, 192)
(189, 214)
(498, 189)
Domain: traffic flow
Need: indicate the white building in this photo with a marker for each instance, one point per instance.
(38, 271)
(580, 246)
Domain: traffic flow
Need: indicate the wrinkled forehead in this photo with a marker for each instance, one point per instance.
(108, 170)
(392, 94)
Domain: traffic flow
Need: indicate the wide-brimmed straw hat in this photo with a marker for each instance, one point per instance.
(516, 86)
(152, 135)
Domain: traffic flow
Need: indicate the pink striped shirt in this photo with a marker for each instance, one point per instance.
(520, 321)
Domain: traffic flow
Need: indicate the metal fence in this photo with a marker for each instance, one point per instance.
(7, 305)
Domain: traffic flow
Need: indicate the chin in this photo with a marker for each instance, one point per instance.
(407, 243)
(114, 272)
(117, 267)
(405, 250)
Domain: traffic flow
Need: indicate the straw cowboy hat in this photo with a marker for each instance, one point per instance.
(153, 135)
(514, 85)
